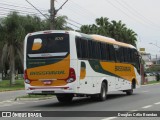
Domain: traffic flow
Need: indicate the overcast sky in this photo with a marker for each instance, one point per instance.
(142, 16)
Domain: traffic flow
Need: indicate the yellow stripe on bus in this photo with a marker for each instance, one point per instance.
(59, 70)
(82, 73)
(125, 71)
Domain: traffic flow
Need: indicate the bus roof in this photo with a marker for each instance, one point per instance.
(93, 36)
(111, 41)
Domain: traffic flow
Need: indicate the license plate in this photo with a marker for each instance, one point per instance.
(48, 92)
(47, 82)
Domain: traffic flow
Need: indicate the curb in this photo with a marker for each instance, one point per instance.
(3, 91)
(32, 99)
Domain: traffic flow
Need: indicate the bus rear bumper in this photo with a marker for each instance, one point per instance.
(49, 90)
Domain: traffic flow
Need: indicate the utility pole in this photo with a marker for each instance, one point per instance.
(53, 13)
(156, 60)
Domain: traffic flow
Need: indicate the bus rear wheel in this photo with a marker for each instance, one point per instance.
(64, 98)
(103, 93)
(130, 92)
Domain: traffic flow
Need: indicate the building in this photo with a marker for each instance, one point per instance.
(146, 57)
(156, 60)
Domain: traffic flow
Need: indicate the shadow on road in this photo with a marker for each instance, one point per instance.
(83, 101)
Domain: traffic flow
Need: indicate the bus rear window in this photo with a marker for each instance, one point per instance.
(48, 45)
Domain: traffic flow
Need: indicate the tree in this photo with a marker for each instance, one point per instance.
(103, 26)
(60, 22)
(12, 45)
(13, 29)
(114, 29)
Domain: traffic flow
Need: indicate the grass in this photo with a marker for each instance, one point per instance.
(152, 82)
(5, 85)
(35, 96)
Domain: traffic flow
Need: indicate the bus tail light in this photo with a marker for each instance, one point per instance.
(27, 81)
(72, 76)
(26, 77)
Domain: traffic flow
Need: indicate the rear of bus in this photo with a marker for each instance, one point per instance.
(47, 63)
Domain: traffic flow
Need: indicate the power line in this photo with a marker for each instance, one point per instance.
(17, 10)
(6, 4)
(78, 12)
(139, 13)
(136, 13)
(82, 8)
(61, 6)
(37, 9)
(72, 20)
(4, 14)
(21, 5)
(73, 25)
(53, 12)
(130, 16)
(29, 13)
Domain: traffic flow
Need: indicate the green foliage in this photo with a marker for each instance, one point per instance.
(154, 68)
(5, 85)
(13, 29)
(153, 82)
(113, 29)
(36, 96)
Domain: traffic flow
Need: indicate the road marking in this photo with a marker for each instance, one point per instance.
(20, 103)
(6, 105)
(148, 106)
(133, 110)
(144, 91)
(36, 110)
(7, 101)
(2, 102)
(110, 118)
(157, 103)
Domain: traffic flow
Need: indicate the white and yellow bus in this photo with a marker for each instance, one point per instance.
(69, 63)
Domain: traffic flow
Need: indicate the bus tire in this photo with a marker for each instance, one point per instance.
(103, 93)
(64, 98)
(130, 92)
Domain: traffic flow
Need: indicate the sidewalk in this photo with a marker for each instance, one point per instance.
(7, 95)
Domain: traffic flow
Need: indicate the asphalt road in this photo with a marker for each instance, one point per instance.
(146, 98)
(7, 95)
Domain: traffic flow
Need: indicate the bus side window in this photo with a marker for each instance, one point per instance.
(98, 51)
(137, 61)
(82, 48)
(125, 55)
(107, 53)
(131, 52)
(133, 56)
(90, 51)
(78, 47)
(94, 49)
(112, 56)
(117, 54)
(103, 51)
(122, 54)
(128, 55)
